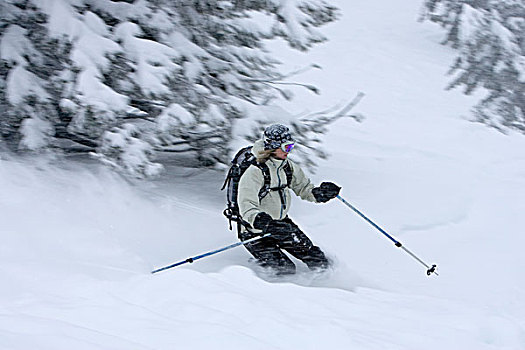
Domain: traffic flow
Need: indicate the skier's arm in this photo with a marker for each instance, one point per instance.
(250, 184)
(301, 185)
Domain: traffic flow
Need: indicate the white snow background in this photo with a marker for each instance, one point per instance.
(78, 243)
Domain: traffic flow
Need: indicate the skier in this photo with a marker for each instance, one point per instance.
(268, 213)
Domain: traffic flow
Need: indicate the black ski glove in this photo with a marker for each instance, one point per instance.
(279, 229)
(262, 220)
(325, 192)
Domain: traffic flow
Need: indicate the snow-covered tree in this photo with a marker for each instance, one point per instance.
(130, 79)
(490, 37)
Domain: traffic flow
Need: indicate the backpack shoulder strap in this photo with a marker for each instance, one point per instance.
(288, 170)
(267, 179)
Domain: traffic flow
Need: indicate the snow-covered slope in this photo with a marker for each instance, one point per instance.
(78, 245)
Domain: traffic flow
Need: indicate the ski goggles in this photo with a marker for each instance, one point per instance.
(287, 146)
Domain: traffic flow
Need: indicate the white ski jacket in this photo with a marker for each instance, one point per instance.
(252, 181)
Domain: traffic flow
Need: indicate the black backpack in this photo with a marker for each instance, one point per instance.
(242, 161)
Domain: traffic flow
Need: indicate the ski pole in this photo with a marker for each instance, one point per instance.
(197, 257)
(430, 269)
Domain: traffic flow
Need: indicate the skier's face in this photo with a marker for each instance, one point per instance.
(280, 154)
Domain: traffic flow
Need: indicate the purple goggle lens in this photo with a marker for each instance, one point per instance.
(287, 147)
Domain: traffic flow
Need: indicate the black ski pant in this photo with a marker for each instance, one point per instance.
(269, 250)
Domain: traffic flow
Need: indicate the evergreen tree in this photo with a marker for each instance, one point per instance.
(490, 37)
(128, 80)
